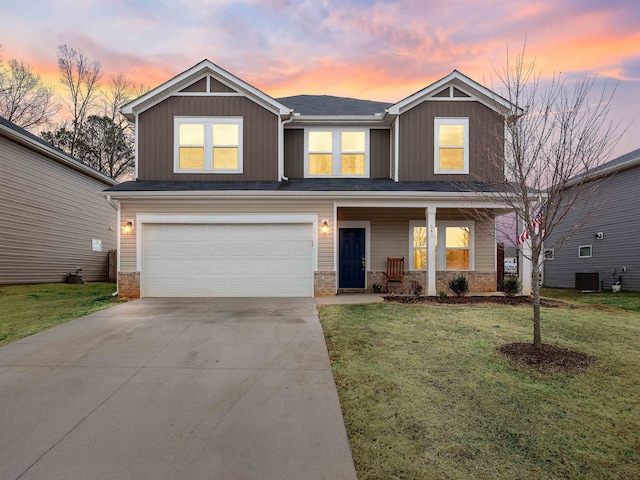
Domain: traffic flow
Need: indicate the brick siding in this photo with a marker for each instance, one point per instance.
(129, 284)
(324, 284)
(478, 281)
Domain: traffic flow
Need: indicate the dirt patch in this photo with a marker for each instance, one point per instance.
(547, 359)
(500, 300)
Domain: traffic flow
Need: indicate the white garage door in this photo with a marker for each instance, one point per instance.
(227, 260)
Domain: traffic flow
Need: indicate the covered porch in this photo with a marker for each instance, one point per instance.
(438, 241)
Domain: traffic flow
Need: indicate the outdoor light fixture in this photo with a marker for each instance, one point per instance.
(127, 227)
(324, 227)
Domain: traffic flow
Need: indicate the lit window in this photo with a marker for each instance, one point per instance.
(584, 251)
(208, 145)
(456, 236)
(451, 139)
(458, 247)
(337, 153)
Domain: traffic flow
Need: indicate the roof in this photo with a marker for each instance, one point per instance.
(19, 134)
(301, 185)
(624, 161)
(330, 105)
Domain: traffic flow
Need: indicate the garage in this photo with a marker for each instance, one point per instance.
(227, 260)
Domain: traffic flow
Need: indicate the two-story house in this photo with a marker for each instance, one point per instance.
(237, 193)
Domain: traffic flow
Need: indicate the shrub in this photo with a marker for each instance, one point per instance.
(416, 288)
(442, 294)
(459, 285)
(511, 286)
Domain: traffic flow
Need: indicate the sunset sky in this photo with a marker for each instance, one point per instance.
(378, 50)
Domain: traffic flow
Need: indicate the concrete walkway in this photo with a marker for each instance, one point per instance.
(172, 389)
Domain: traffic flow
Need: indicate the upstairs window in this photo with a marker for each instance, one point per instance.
(208, 145)
(335, 152)
(451, 145)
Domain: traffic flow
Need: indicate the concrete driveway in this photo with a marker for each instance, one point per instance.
(175, 389)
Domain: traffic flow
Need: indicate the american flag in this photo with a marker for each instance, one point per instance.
(537, 222)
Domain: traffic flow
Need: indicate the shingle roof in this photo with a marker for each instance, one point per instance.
(619, 161)
(301, 185)
(329, 105)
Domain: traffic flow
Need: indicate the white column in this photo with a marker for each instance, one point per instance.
(526, 267)
(431, 250)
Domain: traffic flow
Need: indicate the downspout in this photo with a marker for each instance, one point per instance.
(281, 146)
(115, 204)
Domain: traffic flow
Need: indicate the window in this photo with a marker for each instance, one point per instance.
(337, 152)
(456, 236)
(208, 145)
(451, 145)
(549, 254)
(584, 251)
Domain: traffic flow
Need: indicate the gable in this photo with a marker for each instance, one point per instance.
(203, 79)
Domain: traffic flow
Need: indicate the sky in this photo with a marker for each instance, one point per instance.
(379, 50)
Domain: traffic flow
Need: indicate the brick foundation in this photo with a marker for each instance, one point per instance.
(478, 281)
(324, 284)
(129, 284)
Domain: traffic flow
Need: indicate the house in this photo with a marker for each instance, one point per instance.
(53, 215)
(606, 249)
(237, 193)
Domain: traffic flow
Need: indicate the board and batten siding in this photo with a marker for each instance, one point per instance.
(227, 207)
(390, 233)
(379, 145)
(156, 138)
(616, 213)
(49, 215)
(416, 141)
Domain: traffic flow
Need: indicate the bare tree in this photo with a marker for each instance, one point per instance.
(24, 99)
(81, 78)
(555, 137)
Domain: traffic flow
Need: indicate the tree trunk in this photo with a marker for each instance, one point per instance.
(535, 287)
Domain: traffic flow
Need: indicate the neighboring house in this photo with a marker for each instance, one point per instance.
(607, 247)
(241, 194)
(53, 214)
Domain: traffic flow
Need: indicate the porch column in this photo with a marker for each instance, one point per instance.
(526, 267)
(431, 250)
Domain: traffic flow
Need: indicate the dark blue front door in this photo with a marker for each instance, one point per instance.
(352, 258)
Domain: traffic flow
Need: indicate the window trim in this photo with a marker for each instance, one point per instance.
(208, 144)
(441, 254)
(551, 252)
(590, 247)
(336, 163)
(436, 145)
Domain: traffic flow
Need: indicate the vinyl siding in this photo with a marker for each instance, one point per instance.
(155, 137)
(392, 151)
(199, 86)
(616, 215)
(416, 140)
(390, 233)
(49, 214)
(322, 209)
(379, 141)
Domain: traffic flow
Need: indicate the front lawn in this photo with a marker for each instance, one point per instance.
(625, 300)
(29, 309)
(425, 395)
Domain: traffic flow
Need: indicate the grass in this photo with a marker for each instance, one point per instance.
(29, 309)
(629, 301)
(425, 395)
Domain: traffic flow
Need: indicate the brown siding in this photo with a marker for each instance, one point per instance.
(155, 137)
(49, 214)
(486, 136)
(199, 86)
(294, 153)
(216, 86)
(379, 144)
(323, 209)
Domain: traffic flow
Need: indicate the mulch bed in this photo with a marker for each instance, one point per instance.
(547, 359)
(471, 300)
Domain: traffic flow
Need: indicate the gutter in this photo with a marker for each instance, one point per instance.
(116, 204)
(281, 176)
